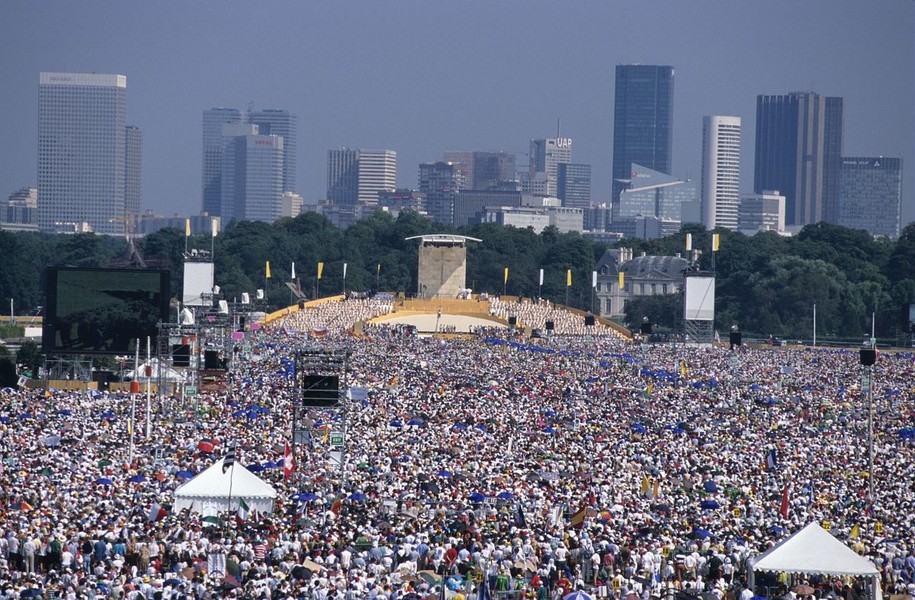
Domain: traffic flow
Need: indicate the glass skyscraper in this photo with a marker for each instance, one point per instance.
(82, 150)
(252, 178)
(274, 121)
(573, 185)
(642, 121)
(870, 194)
(799, 153)
(213, 143)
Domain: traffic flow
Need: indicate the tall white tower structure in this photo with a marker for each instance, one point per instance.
(720, 191)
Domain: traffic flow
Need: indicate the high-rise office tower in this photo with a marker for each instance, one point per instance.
(870, 194)
(377, 173)
(216, 136)
(545, 157)
(343, 176)
(573, 185)
(213, 144)
(440, 182)
(484, 170)
(642, 121)
(720, 187)
(82, 138)
(252, 177)
(799, 153)
(273, 121)
(357, 176)
(133, 171)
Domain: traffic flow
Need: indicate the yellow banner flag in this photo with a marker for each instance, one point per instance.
(505, 277)
(855, 532)
(320, 269)
(187, 228)
(569, 278)
(716, 240)
(622, 280)
(268, 269)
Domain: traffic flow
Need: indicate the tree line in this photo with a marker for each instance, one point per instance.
(766, 283)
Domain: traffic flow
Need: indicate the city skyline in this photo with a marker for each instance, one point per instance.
(371, 93)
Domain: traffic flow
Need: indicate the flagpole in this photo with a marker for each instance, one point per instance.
(134, 389)
(148, 398)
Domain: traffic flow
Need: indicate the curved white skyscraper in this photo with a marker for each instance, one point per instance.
(720, 191)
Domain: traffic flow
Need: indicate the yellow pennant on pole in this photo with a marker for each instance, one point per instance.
(505, 277)
(187, 228)
(267, 269)
(569, 278)
(622, 279)
(320, 269)
(716, 240)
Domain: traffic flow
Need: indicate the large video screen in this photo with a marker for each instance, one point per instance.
(102, 311)
(198, 280)
(700, 299)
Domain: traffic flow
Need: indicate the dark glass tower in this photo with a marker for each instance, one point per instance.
(799, 153)
(213, 146)
(272, 121)
(642, 120)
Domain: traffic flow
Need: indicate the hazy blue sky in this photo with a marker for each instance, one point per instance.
(422, 77)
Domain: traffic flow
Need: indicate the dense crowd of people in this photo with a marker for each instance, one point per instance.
(537, 313)
(529, 468)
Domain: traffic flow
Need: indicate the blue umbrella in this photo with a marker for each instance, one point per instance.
(256, 468)
(701, 534)
(239, 413)
(459, 426)
(66, 412)
(444, 473)
(482, 428)
(395, 424)
(184, 474)
(103, 481)
(711, 487)
(638, 428)
(505, 495)
(358, 497)
(416, 422)
(25, 416)
(137, 479)
(304, 497)
(710, 504)
(778, 530)
(108, 415)
(476, 498)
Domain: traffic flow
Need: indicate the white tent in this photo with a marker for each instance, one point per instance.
(813, 550)
(168, 373)
(213, 491)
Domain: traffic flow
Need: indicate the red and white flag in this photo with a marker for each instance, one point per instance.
(288, 461)
(783, 510)
(156, 513)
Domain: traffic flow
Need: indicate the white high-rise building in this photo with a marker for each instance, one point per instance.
(720, 188)
(545, 157)
(377, 173)
(82, 152)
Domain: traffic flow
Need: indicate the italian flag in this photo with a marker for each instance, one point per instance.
(242, 515)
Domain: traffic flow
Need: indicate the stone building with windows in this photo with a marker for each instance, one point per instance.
(642, 276)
